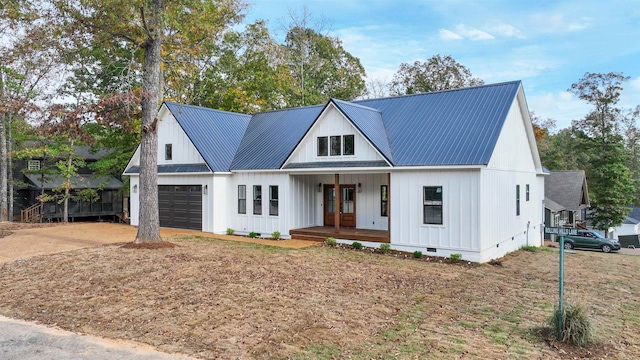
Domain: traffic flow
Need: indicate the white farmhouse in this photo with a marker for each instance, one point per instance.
(445, 172)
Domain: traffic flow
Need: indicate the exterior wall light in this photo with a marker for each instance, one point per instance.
(206, 190)
(319, 187)
(359, 187)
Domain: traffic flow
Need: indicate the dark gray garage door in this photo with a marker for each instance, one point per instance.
(180, 206)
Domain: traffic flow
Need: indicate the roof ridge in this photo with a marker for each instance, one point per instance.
(289, 109)
(443, 91)
(205, 108)
(355, 105)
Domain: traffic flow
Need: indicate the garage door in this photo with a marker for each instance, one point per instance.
(180, 206)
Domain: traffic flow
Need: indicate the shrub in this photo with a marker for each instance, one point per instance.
(417, 254)
(529, 248)
(230, 231)
(253, 234)
(356, 245)
(331, 241)
(455, 258)
(576, 327)
(385, 248)
(275, 235)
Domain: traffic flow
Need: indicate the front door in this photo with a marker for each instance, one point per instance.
(346, 208)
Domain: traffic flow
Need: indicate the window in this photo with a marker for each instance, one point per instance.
(517, 200)
(348, 141)
(432, 205)
(242, 199)
(273, 200)
(527, 193)
(257, 200)
(323, 146)
(335, 146)
(168, 152)
(384, 200)
(34, 165)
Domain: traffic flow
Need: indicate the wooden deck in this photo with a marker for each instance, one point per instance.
(321, 233)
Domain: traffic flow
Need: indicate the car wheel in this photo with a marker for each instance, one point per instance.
(606, 248)
(568, 245)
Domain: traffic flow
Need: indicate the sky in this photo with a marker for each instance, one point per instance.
(548, 45)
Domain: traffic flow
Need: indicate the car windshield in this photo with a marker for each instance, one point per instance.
(597, 235)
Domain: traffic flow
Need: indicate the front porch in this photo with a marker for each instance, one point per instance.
(321, 233)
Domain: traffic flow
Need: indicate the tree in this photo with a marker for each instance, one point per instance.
(184, 31)
(436, 74)
(610, 184)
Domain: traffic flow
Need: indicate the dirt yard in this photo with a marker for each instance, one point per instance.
(220, 299)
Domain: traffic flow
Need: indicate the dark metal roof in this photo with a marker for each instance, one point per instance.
(271, 137)
(178, 168)
(216, 134)
(336, 164)
(454, 127)
(633, 217)
(566, 188)
(369, 122)
(77, 182)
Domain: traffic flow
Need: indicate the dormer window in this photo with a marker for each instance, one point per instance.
(348, 141)
(336, 148)
(323, 146)
(33, 165)
(168, 152)
(336, 145)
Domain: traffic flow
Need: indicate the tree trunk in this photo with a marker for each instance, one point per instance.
(10, 164)
(149, 221)
(3, 156)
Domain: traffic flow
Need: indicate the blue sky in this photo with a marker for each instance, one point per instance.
(547, 44)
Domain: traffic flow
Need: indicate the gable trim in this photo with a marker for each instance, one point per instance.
(315, 121)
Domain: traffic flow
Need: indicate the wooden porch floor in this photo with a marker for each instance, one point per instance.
(321, 233)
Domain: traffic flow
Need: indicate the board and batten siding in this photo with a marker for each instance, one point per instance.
(208, 202)
(170, 132)
(333, 123)
(459, 232)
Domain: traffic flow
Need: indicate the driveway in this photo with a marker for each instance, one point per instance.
(28, 242)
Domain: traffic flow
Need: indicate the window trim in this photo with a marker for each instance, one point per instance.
(326, 149)
(257, 199)
(384, 200)
(242, 200)
(272, 200)
(35, 163)
(433, 203)
(517, 200)
(168, 152)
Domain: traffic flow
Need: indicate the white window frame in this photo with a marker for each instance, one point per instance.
(33, 165)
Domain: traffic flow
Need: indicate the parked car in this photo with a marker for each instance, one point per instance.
(590, 239)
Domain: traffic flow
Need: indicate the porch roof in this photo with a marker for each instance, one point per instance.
(77, 182)
(177, 168)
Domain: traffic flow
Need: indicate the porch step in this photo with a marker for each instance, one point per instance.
(321, 233)
(318, 238)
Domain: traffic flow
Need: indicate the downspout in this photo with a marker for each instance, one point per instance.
(528, 223)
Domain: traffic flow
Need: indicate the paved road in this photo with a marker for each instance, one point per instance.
(20, 340)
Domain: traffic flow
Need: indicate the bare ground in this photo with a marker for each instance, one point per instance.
(218, 299)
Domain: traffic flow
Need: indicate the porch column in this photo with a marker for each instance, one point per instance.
(336, 206)
(389, 205)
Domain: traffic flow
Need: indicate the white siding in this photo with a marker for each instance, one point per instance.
(332, 123)
(134, 199)
(502, 230)
(220, 198)
(170, 132)
(459, 232)
(513, 151)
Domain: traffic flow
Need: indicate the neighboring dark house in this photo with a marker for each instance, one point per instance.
(30, 185)
(566, 198)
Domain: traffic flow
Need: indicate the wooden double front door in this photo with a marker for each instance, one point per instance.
(346, 208)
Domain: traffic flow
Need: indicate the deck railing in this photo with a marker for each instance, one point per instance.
(32, 213)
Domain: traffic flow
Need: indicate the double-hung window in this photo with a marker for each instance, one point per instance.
(432, 205)
(384, 200)
(257, 199)
(168, 151)
(273, 200)
(34, 165)
(527, 193)
(242, 199)
(517, 200)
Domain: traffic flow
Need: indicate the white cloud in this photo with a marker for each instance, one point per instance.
(561, 106)
(505, 30)
(472, 33)
(556, 23)
(449, 35)
(519, 63)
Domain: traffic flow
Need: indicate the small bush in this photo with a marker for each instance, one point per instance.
(331, 242)
(417, 254)
(529, 248)
(253, 234)
(230, 231)
(576, 328)
(385, 248)
(356, 245)
(275, 235)
(456, 258)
